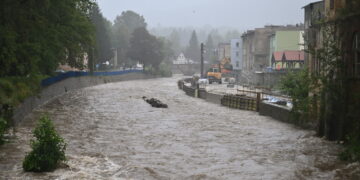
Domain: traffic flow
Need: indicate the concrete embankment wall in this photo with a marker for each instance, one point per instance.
(275, 111)
(50, 92)
(214, 98)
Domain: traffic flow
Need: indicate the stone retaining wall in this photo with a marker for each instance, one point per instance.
(50, 92)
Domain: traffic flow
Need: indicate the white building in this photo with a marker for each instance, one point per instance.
(236, 54)
(181, 59)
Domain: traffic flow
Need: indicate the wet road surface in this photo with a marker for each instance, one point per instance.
(112, 133)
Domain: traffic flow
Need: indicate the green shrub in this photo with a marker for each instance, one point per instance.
(297, 86)
(352, 149)
(163, 70)
(13, 90)
(48, 150)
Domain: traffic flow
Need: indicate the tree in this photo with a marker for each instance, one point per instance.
(131, 20)
(193, 50)
(174, 38)
(124, 26)
(167, 50)
(216, 36)
(103, 45)
(38, 39)
(233, 34)
(210, 54)
(145, 48)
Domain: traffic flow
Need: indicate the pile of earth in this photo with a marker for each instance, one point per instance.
(155, 103)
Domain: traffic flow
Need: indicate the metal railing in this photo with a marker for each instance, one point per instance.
(70, 74)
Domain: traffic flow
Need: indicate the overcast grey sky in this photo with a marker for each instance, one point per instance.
(230, 13)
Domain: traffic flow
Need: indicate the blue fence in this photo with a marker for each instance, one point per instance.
(62, 76)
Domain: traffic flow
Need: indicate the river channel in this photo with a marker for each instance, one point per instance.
(112, 133)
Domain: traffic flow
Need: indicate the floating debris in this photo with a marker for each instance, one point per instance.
(155, 102)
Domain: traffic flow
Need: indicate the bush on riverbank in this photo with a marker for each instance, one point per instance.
(352, 149)
(48, 150)
(15, 89)
(297, 86)
(163, 70)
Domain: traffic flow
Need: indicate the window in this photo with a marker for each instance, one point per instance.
(237, 63)
(215, 70)
(356, 50)
(237, 54)
(331, 4)
(237, 44)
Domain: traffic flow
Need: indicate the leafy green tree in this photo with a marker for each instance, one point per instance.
(35, 40)
(103, 45)
(193, 50)
(123, 27)
(217, 37)
(167, 50)
(146, 48)
(174, 38)
(38, 39)
(48, 150)
(131, 20)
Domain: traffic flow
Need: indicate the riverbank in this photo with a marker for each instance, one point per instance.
(112, 133)
(70, 84)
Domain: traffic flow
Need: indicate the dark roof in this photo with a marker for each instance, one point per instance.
(312, 4)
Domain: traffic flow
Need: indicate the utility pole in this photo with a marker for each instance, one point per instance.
(202, 61)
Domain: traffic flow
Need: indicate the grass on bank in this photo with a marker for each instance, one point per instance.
(14, 90)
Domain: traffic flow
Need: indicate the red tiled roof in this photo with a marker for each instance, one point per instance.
(294, 55)
(278, 55)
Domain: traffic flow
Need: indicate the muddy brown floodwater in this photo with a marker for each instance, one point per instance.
(112, 133)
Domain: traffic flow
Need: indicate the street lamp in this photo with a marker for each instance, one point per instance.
(202, 61)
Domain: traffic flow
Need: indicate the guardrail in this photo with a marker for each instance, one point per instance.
(70, 74)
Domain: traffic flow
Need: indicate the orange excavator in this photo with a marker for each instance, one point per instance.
(214, 74)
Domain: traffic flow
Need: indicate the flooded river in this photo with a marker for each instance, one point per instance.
(112, 133)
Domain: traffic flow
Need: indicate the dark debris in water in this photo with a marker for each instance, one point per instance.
(155, 102)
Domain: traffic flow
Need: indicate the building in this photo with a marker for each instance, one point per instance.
(285, 60)
(236, 54)
(314, 16)
(286, 41)
(224, 51)
(257, 45)
(181, 59)
(336, 109)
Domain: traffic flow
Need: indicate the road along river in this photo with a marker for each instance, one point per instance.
(112, 133)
